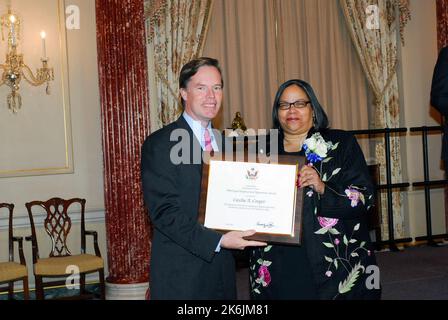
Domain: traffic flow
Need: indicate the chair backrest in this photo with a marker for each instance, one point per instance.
(10, 209)
(57, 223)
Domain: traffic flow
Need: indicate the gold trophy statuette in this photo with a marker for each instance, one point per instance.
(238, 122)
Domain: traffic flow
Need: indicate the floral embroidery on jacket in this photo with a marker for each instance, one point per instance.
(346, 254)
(343, 253)
(262, 277)
(354, 195)
(343, 250)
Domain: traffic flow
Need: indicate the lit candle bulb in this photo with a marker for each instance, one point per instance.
(12, 19)
(44, 49)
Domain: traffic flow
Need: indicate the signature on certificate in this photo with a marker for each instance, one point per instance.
(268, 225)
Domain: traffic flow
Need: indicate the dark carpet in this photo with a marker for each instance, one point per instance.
(55, 293)
(414, 273)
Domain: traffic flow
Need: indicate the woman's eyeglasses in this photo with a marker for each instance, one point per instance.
(299, 104)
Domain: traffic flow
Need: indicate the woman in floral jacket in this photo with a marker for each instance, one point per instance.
(336, 259)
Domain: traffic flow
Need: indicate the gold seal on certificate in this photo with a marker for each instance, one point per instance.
(264, 197)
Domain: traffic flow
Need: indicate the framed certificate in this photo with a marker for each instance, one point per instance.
(242, 195)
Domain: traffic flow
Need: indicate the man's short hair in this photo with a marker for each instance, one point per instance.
(192, 67)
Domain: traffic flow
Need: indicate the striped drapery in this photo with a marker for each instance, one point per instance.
(376, 44)
(442, 23)
(175, 35)
(125, 124)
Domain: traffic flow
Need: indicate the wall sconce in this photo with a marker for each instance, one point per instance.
(14, 68)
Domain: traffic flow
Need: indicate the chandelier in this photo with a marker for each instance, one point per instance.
(14, 68)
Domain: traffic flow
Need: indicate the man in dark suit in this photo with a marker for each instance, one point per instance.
(188, 261)
(439, 96)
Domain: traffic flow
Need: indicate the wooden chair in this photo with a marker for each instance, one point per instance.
(375, 219)
(12, 271)
(58, 225)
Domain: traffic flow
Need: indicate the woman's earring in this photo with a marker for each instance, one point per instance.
(314, 119)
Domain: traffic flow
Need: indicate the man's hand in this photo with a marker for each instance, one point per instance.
(235, 240)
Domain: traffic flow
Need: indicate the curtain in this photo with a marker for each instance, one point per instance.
(317, 47)
(242, 37)
(175, 35)
(377, 50)
(121, 44)
(260, 44)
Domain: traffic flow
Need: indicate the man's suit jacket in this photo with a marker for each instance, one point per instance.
(439, 96)
(184, 264)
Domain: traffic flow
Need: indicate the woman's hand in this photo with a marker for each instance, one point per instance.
(308, 177)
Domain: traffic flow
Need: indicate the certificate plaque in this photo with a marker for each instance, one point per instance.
(241, 195)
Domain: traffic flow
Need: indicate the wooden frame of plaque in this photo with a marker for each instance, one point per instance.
(266, 237)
